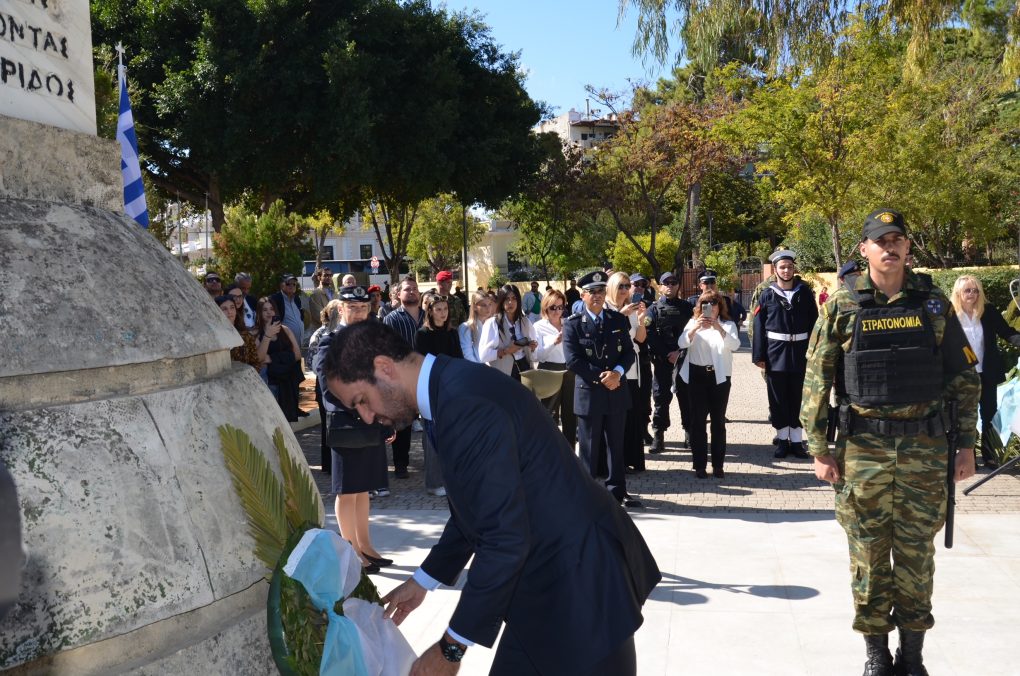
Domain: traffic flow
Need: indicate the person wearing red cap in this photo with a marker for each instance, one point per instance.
(375, 300)
(458, 313)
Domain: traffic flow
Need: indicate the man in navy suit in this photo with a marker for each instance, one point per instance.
(555, 558)
(598, 349)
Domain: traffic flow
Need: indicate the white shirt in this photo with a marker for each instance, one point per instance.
(469, 341)
(491, 341)
(548, 348)
(635, 369)
(975, 336)
(709, 348)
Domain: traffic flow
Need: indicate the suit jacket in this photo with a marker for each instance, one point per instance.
(317, 300)
(588, 353)
(554, 556)
(993, 366)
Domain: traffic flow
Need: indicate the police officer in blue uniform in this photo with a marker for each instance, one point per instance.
(666, 319)
(598, 349)
(783, 319)
(706, 282)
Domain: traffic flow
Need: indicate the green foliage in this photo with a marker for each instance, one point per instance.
(436, 241)
(264, 245)
(724, 261)
(994, 280)
(812, 242)
(626, 257)
(260, 493)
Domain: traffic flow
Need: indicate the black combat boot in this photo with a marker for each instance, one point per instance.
(879, 660)
(908, 656)
(659, 445)
(646, 438)
(783, 449)
(797, 448)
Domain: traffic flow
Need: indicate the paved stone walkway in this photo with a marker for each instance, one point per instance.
(755, 481)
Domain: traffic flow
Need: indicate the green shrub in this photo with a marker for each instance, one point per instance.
(995, 281)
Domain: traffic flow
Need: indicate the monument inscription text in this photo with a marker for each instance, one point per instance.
(46, 63)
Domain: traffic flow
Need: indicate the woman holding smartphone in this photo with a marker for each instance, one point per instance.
(282, 354)
(710, 339)
(619, 298)
(508, 337)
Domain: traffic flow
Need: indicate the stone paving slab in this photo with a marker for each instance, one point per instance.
(755, 481)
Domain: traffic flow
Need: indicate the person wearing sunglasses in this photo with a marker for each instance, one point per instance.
(983, 323)
(710, 339)
(620, 298)
(549, 332)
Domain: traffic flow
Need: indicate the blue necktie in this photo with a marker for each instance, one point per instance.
(598, 323)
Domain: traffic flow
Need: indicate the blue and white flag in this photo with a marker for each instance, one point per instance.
(134, 191)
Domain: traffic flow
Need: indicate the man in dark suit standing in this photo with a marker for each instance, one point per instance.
(554, 557)
(598, 349)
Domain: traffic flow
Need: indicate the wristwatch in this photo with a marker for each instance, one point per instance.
(452, 652)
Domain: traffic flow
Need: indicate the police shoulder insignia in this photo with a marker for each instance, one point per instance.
(886, 217)
(934, 306)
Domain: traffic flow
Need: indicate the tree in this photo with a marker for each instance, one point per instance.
(657, 154)
(801, 35)
(625, 256)
(437, 237)
(263, 244)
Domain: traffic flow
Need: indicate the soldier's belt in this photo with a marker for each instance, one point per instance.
(931, 426)
(787, 337)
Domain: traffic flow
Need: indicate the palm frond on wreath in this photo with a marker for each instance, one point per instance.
(303, 504)
(260, 493)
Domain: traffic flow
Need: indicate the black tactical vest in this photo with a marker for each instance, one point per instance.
(894, 357)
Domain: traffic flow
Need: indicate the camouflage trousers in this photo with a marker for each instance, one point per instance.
(892, 503)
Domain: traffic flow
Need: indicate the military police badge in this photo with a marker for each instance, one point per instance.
(934, 306)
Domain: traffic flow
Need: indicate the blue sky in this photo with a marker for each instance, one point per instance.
(566, 44)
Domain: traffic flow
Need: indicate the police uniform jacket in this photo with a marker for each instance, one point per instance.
(589, 352)
(667, 319)
(790, 318)
(831, 339)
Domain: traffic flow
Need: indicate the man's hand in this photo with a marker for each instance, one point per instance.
(673, 356)
(826, 468)
(402, 600)
(610, 379)
(432, 663)
(965, 464)
(760, 364)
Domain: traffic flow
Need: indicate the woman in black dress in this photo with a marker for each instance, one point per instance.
(436, 336)
(283, 354)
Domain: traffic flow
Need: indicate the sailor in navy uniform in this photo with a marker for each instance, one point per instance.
(783, 320)
(598, 349)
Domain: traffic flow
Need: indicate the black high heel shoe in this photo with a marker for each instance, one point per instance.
(379, 562)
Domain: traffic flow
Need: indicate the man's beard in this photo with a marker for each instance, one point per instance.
(400, 412)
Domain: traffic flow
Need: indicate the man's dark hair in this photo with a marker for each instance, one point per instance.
(352, 352)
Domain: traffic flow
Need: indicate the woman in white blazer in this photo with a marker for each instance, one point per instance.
(710, 339)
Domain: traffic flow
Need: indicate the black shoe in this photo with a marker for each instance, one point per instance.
(797, 447)
(718, 473)
(659, 444)
(379, 562)
(647, 438)
(782, 449)
(303, 414)
(686, 443)
(630, 502)
(908, 656)
(701, 474)
(401, 473)
(370, 568)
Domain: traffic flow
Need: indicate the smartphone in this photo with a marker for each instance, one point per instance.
(706, 309)
(276, 320)
(638, 297)
(522, 342)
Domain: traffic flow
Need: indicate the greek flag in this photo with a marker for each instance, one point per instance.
(134, 191)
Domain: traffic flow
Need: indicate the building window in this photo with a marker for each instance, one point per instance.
(584, 137)
(366, 251)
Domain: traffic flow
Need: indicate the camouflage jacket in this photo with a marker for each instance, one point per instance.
(832, 335)
(755, 296)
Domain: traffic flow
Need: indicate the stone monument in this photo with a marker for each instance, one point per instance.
(115, 377)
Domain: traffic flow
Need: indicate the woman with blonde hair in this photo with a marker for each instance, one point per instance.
(470, 332)
(619, 298)
(710, 338)
(982, 323)
(549, 331)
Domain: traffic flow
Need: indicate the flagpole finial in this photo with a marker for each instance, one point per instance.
(120, 54)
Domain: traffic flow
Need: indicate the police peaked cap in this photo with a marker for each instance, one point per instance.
(593, 280)
(638, 277)
(353, 294)
(707, 276)
(781, 254)
(848, 267)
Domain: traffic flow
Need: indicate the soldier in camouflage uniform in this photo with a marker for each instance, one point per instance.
(894, 351)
